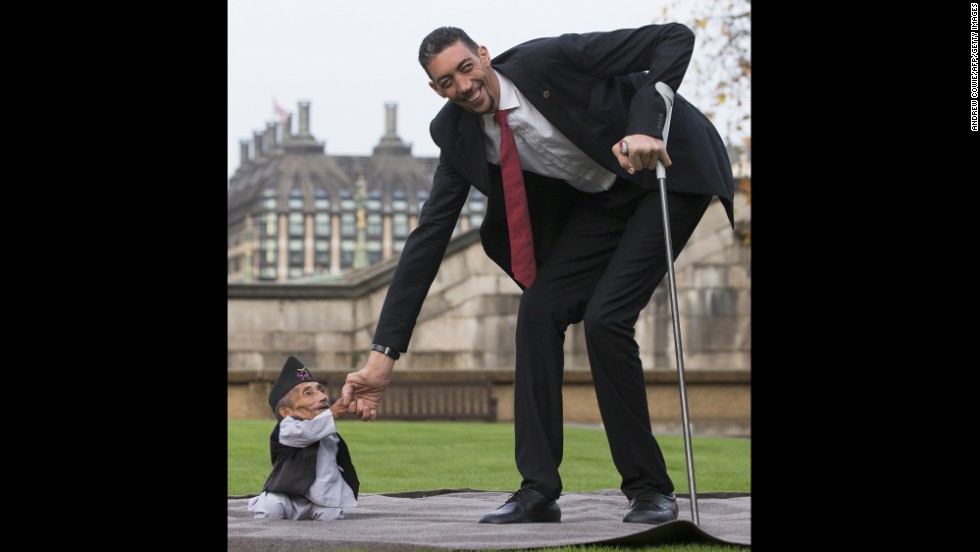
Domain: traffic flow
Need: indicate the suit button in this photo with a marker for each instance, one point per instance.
(546, 94)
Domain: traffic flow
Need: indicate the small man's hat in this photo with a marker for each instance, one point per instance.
(293, 373)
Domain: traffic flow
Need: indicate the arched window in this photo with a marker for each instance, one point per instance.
(296, 253)
(321, 224)
(296, 229)
(346, 201)
(295, 199)
(478, 207)
(321, 258)
(348, 221)
(373, 200)
(399, 202)
(268, 226)
(399, 226)
(269, 199)
(268, 247)
(321, 202)
(346, 253)
(374, 252)
(374, 225)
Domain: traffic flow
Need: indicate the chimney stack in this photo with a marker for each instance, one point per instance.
(259, 146)
(390, 109)
(303, 140)
(390, 143)
(287, 128)
(304, 120)
(243, 152)
(270, 137)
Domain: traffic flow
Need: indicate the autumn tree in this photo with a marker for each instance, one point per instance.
(718, 79)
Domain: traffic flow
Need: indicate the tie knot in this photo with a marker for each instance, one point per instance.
(501, 117)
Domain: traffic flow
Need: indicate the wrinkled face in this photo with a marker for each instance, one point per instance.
(465, 78)
(308, 400)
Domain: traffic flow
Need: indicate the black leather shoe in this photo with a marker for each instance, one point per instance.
(652, 507)
(525, 506)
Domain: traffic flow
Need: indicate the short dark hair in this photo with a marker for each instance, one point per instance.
(440, 39)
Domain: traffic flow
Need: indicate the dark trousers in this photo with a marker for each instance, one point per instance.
(602, 271)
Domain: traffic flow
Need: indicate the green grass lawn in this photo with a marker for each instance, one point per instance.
(395, 456)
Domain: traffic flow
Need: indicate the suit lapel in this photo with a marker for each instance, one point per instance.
(470, 147)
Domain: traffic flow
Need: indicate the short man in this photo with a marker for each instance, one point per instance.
(594, 251)
(312, 474)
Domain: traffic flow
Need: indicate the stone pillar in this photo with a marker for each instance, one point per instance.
(335, 243)
(386, 245)
(283, 271)
(360, 247)
(308, 246)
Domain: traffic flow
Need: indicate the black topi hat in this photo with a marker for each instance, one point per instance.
(293, 373)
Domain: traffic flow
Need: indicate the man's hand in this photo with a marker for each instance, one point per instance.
(363, 390)
(642, 152)
(338, 409)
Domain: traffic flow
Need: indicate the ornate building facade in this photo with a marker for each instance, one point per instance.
(295, 212)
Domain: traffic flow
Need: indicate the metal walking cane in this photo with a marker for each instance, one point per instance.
(668, 95)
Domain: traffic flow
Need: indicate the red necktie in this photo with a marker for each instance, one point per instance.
(515, 201)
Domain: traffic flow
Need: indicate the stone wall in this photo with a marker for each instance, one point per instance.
(718, 401)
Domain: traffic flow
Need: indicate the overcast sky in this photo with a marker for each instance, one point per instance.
(349, 58)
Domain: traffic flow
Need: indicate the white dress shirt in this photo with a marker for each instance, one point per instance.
(543, 149)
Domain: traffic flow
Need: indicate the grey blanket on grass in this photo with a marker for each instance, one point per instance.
(447, 519)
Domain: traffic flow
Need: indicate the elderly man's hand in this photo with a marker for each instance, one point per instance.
(338, 409)
(363, 390)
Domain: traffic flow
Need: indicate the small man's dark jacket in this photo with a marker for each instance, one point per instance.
(294, 469)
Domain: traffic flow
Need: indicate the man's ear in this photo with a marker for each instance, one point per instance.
(484, 55)
(437, 90)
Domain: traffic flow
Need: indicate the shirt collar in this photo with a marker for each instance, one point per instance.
(508, 92)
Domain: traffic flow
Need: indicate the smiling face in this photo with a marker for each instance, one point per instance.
(305, 401)
(465, 78)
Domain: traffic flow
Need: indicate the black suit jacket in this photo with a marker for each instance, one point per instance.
(595, 88)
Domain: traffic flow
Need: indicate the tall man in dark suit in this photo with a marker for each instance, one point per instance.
(598, 239)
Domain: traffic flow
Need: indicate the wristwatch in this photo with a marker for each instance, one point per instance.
(387, 351)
